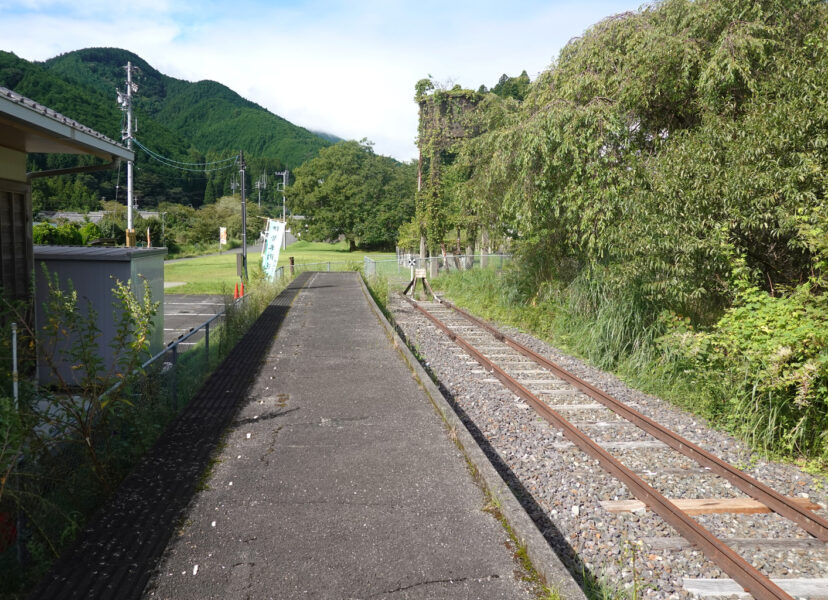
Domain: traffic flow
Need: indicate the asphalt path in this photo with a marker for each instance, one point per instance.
(185, 311)
(337, 479)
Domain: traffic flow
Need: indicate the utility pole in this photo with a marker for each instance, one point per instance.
(125, 100)
(261, 184)
(285, 174)
(244, 216)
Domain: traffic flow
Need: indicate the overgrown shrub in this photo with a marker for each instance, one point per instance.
(761, 371)
(43, 233)
(64, 234)
(766, 363)
(59, 447)
(89, 231)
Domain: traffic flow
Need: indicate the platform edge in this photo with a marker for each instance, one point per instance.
(544, 560)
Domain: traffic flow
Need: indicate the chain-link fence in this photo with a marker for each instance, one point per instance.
(401, 269)
(341, 265)
(67, 449)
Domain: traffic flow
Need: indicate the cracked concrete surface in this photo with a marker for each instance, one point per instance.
(338, 480)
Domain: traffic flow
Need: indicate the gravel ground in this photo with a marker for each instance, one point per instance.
(563, 486)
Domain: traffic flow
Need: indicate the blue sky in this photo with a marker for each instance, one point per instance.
(348, 68)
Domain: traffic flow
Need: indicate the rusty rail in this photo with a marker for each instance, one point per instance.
(726, 558)
(810, 522)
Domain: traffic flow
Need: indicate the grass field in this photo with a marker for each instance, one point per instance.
(216, 273)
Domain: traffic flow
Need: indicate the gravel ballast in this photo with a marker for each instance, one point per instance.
(562, 487)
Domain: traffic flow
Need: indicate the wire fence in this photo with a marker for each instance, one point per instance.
(401, 269)
(342, 265)
(53, 482)
(165, 364)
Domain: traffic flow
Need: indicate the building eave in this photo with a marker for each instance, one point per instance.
(27, 126)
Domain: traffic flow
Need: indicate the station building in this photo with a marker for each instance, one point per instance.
(28, 127)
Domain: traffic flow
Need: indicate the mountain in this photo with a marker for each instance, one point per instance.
(189, 122)
(327, 136)
(209, 114)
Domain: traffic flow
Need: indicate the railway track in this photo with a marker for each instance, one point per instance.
(595, 422)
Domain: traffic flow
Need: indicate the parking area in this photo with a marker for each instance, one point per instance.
(183, 312)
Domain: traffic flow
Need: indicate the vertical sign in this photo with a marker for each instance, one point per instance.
(272, 243)
(222, 236)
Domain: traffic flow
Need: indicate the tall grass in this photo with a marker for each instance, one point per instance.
(612, 324)
(378, 287)
(617, 329)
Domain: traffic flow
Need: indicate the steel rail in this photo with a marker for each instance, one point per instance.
(750, 578)
(807, 520)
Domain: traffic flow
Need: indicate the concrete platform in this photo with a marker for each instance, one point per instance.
(337, 478)
(121, 545)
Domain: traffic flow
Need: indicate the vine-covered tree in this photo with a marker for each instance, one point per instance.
(662, 142)
(447, 118)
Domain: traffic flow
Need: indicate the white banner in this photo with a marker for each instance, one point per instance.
(272, 244)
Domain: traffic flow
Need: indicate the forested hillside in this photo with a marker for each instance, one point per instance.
(210, 115)
(664, 185)
(189, 122)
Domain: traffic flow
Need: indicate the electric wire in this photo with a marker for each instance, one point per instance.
(186, 166)
(190, 164)
(199, 167)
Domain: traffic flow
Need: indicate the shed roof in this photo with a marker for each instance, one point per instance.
(93, 253)
(27, 126)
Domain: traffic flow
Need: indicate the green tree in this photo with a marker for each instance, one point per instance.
(177, 221)
(68, 234)
(663, 148)
(90, 231)
(64, 234)
(660, 142)
(350, 191)
(511, 87)
(113, 222)
(43, 234)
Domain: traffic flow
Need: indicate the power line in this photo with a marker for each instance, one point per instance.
(233, 158)
(177, 164)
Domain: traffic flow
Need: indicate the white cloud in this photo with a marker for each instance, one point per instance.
(345, 68)
(42, 36)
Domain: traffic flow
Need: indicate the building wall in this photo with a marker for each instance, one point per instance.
(16, 259)
(92, 272)
(12, 165)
